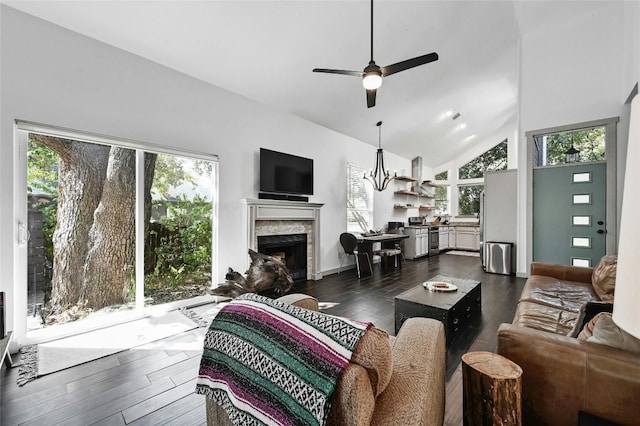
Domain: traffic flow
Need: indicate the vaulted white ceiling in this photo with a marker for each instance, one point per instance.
(265, 50)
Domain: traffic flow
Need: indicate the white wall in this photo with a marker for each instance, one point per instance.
(572, 70)
(56, 77)
(631, 43)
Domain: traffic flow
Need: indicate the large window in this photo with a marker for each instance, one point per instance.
(443, 176)
(442, 199)
(469, 199)
(113, 227)
(359, 200)
(443, 193)
(493, 159)
(470, 177)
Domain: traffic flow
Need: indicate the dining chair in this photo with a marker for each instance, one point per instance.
(349, 244)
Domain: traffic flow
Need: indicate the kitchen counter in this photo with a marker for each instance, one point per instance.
(455, 224)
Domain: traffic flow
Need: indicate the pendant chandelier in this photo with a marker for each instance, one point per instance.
(380, 176)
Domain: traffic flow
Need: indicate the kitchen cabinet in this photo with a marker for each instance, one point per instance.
(443, 237)
(468, 237)
(417, 244)
(424, 242)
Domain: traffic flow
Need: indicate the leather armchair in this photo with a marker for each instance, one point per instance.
(415, 394)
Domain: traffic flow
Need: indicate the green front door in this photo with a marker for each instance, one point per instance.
(569, 214)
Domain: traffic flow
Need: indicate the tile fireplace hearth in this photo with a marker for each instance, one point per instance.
(280, 218)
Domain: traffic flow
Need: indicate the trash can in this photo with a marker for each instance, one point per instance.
(499, 257)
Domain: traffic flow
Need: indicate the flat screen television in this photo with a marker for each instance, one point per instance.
(285, 173)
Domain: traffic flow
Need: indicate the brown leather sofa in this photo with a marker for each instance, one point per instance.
(565, 377)
(414, 394)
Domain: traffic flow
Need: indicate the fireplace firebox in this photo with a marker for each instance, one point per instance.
(291, 249)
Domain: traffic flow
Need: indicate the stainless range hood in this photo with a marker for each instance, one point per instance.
(416, 173)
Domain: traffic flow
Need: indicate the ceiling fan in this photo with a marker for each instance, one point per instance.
(373, 73)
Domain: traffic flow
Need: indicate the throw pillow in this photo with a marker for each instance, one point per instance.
(587, 330)
(606, 332)
(603, 278)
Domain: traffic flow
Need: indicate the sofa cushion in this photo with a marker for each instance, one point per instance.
(553, 292)
(544, 317)
(587, 312)
(587, 330)
(603, 278)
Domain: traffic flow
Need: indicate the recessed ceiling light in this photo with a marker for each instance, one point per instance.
(448, 113)
(462, 126)
(468, 138)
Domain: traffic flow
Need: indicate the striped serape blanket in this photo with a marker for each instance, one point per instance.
(268, 362)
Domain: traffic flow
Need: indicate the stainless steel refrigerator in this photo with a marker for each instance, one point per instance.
(498, 221)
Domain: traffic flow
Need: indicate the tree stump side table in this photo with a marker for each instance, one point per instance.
(492, 387)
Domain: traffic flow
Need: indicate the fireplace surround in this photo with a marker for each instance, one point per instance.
(279, 217)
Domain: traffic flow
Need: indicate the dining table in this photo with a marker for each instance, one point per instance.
(365, 248)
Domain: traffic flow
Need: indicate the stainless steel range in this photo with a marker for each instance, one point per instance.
(434, 240)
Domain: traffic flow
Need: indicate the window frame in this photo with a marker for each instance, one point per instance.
(21, 131)
(446, 200)
(468, 183)
(352, 171)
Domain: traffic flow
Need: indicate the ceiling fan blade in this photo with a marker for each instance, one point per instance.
(371, 98)
(409, 63)
(343, 72)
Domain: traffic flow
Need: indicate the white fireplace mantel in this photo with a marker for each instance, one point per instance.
(279, 210)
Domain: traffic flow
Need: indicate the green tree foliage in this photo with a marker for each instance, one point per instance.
(185, 246)
(42, 177)
(443, 175)
(590, 143)
(469, 199)
(42, 173)
(493, 159)
(442, 199)
(169, 174)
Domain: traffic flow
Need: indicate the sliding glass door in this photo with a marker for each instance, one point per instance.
(111, 227)
(178, 241)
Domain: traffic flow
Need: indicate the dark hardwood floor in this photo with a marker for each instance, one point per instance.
(155, 385)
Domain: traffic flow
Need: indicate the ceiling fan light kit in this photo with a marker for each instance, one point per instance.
(372, 74)
(372, 80)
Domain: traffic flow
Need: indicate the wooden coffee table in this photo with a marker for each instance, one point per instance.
(455, 308)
